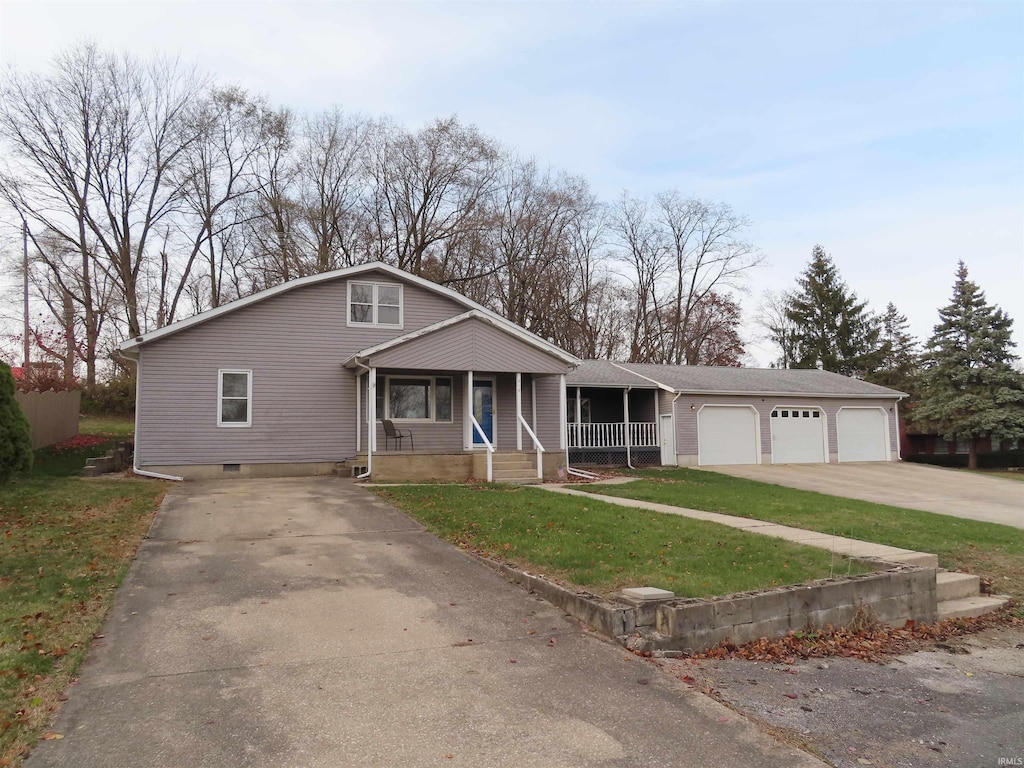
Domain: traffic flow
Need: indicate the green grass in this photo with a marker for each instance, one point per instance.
(65, 544)
(115, 426)
(987, 549)
(604, 547)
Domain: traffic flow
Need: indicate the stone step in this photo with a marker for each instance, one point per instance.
(950, 585)
(968, 607)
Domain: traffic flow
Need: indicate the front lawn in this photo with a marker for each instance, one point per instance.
(605, 547)
(65, 544)
(986, 549)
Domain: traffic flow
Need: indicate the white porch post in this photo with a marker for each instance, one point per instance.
(468, 420)
(533, 402)
(372, 412)
(561, 411)
(625, 417)
(579, 417)
(359, 412)
(519, 411)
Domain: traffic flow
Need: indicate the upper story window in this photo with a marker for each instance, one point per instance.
(377, 304)
(234, 398)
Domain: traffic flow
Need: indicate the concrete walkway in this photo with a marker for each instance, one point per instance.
(837, 544)
(304, 623)
(902, 484)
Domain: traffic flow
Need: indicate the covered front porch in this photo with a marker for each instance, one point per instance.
(466, 398)
(613, 426)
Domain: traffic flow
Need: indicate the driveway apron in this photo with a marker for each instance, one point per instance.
(304, 622)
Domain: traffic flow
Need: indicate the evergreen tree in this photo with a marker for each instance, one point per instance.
(970, 388)
(897, 356)
(15, 439)
(831, 326)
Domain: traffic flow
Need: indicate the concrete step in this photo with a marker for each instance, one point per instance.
(514, 475)
(950, 585)
(968, 607)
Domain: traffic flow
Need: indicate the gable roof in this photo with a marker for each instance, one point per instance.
(702, 379)
(129, 346)
(470, 341)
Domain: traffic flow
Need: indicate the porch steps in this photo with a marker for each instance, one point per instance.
(514, 467)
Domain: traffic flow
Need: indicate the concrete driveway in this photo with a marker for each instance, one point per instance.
(915, 486)
(305, 623)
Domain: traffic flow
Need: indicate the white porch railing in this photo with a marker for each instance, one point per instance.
(487, 443)
(642, 434)
(537, 445)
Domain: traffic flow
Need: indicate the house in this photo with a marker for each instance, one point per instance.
(301, 377)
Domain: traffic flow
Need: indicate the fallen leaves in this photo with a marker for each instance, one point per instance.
(871, 645)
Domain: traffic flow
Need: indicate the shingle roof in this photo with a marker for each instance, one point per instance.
(601, 373)
(694, 379)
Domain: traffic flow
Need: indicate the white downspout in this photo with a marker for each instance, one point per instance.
(675, 447)
(135, 452)
(371, 415)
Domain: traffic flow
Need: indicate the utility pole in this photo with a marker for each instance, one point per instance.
(24, 270)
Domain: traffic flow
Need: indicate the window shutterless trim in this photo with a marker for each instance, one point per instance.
(375, 305)
(247, 398)
(432, 419)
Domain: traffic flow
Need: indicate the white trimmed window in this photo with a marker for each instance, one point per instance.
(234, 398)
(377, 304)
(415, 398)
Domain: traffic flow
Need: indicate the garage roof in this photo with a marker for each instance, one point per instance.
(698, 379)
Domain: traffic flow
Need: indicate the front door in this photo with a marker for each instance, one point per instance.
(668, 440)
(483, 409)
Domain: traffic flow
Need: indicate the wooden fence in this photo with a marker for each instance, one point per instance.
(53, 416)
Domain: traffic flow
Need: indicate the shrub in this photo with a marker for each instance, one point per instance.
(42, 377)
(114, 398)
(15, 436)
(995, 460)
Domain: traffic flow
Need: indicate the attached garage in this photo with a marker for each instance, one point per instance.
(799, 435)
(862, 434)
(727, 434)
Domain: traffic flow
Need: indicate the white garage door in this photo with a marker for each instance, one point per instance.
(863, 434)
(798, 436)
(727, 435)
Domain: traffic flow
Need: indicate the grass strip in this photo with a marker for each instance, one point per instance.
(605, 547)
(987, 549)
(65, 545)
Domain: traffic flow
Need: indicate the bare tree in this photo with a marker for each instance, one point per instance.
(216, 173)
(773, 319)
(428, 189)
(330, 167)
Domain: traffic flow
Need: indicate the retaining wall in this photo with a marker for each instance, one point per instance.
(895, 595)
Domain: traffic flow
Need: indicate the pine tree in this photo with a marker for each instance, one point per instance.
(831, 325)
(970, 388)
(898, 362)
(15, 438)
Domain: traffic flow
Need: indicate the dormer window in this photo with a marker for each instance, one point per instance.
(374, 304)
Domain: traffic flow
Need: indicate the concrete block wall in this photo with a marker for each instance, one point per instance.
(691, 625)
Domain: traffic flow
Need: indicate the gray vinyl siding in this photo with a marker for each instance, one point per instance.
(470, 345)
(686, 417)
(303, 401)
(549, 415)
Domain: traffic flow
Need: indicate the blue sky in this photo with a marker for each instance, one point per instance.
(891, 133)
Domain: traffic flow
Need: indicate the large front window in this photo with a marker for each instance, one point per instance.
(415, 398)
(374, 304)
